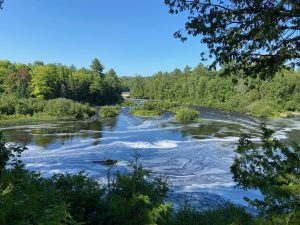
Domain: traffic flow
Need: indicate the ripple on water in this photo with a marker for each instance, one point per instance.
(195, 157)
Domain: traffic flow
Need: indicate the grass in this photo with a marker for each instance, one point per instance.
(145, 112)
(127, 103)
(13, 119)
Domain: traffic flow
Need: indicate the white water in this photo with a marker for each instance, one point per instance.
(195, 157)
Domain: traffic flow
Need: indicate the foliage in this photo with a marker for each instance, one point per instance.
(239, 31)
(84, 196)
(153, 108)
(263, 108)
(137, 198)
(207, 88)
(26, 197)
(272, 168)
(127, 103)
(97, 68)
(109, 111)
(10, 105)
(145, 112)
(66, 107)
(50, 81)
(184, 114)
(225, 215)
(30, 106)
(7, 105)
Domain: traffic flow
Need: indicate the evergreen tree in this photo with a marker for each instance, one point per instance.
(97, 68)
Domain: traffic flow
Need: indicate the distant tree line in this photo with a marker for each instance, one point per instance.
(202, 87)
(50, 81)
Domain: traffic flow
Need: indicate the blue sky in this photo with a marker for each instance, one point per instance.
(131, 36)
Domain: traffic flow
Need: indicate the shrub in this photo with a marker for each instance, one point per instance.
(291, 105)
(226, 215)
(109, 111)
(153, 108)
(136, 198)
(26, 197)
(264, 108)
(184, 114)
(83, 194)
(30, 106)
(8, 104)
(67, 107)
(272, 168)
(159, 105)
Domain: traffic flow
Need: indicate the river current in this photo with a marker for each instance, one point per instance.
(195, 157)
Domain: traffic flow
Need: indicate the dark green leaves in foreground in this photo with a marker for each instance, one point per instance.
(274, 169)
(260, 37)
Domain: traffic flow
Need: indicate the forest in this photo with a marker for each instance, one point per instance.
(254, 50)
(55, 90)
(199, 86)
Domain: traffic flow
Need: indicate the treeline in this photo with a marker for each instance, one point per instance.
(50, 81)
(12, 107)
(202, 87)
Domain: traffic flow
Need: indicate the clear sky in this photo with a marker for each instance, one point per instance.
(131, 36)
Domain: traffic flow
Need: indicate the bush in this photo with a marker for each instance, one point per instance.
(109, 111)
(84, 195)
(184, 114)
(12, 107)
(272, 168)
(264, 108)
(8, 104)
(30, 106)
(153, 108)
(159, 105)
(291, 105)
(67, 107)
(226, 215)
(26, 197)
(136, 198)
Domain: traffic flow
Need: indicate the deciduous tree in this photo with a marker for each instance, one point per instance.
(260, 37)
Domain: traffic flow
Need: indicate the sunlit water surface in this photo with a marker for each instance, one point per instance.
(195, 157)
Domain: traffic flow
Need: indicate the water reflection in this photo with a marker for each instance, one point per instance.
(58, 133)
(196, 157)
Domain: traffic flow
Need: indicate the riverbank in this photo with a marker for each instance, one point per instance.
(150, 108)
(30, 109)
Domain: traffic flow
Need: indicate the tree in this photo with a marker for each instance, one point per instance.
(113, 86)
(97, 68)
(1, 2)
(274, 169)
(137, 198)
(260, 37)
(44, 82)
(18, 82)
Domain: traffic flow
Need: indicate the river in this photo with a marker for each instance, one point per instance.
(196, 157)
